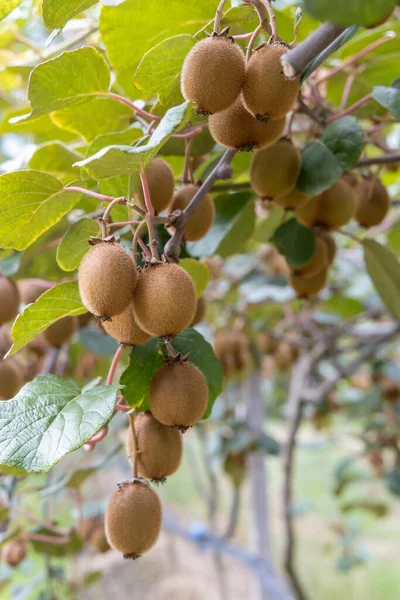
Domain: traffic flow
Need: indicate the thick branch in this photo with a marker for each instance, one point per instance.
(379, 160)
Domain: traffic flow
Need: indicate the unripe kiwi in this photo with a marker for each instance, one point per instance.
(305, 287)
(200, 311)
(31, 289)
(125, 329)
(9, 300)
(292, 200)
(133, 519)
(331, 209)
(13, 552)
(274, 170)
(98, 539)
(161, 185)
(330, 245)
(164, 300)
(213, 74)
(107, 279)
(61, 331)
(160, 448)
(266, 343)
(372, 204)
(178, 395)
(203, 215)
(11, 379)
(267, 94)
(236, 128)
(318, 262)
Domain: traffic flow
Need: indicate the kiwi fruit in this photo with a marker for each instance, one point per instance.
(292, 199)
(203, 215)
(6, 340)
(98, 540)
(200, 311)
(266, 343)
(213, 74)
(267, 94)
(276, 263)
(306, 287)
(236, 128)
(235, 468)
(9, 300)
(31, 289)
(160, 448)
(318, 262)
(165, 299)
(232, 350)
(87, 526)
(84, 320)
(161, 185)
(330, 210)
(11, 379)
(13, 552)
(372, 202)
(178, 395)
(330, 244)
(285, 355)
(125, 329)
(274, 170)
(133, 519)
(61, 331)
(350, 179)
(107, 279)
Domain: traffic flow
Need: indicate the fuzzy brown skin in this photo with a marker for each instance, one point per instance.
(331, 209)
(274, 170)
(6, 340)
(31, 289)
(330, 243)
(266, 343)
(232, 350)
(203, 215)
(87, 526)
(160, 447)
(372, 203)
(61, 331)
(11, 379)
(165, 300)
(266, 91)
(200, 311)
(292, 200)
(124, 328)
(318, 262)
(178, 395)
(161, 185)
(350, 178)
(99, 541)
(236, 128)
(133, 519)
(107, 279)
(213, 74)
(285, 355)
(13, 552)
(9, 300)
(306, 287)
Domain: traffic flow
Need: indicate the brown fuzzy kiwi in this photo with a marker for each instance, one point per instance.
(61, 331)
(285, 355)
(107, 279)
(11, 379)
(232, 350)
(266, 343)
(125, 329)
(267, 94)
(98, 540)
(6, 340)
(178, 395)
(350, 178)
(13, 552)
(306, 287)
(318, 262)
(213, 74)
(31, 289)
(236, 128)
(160, 448)
(133, 519)
(276, 263)
(165, 299)
(87, 526)
(203, 215)
(274, 170)
(292, 200)
(372, 203)
(200, 311)
(330, 243)
(161, 185)
(331, 209)
(9, 300)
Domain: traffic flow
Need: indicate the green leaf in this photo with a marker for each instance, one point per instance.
(120, 160)
(343, 306)
(159, 71)
(384, 270)
(70, 79)
(30, 203)
(56, 14)
(59, 547)
(266, 228)
(144, 362)
(269, 444)
(345, 139)
(388, 97)
(47, 419)
(97, 342)
(9, 262)
(61, 300)
(203, 143)
(6, 6)
(319, 169)
(198, 271)
(347, 12)
(74, 244)
(233, 225)
(295, 242)
(127, 137)
(394, 239)
(57, 159)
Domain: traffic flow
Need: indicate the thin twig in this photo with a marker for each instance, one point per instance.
(255, 34)
(187, 165)
(104, 219)
(272, 20)
(152, 239)
(132, 105)
(394, 157)
(135, 445)
(218, 16)
(146, 192)
(104, 198)
(351, 109)
(114, 365)
(347, 90)
(136, 237)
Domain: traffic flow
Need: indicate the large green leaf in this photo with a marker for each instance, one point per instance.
(384, 270)
(388, 97)
(61, 300)
(394, 238)
(48, 418)
(158, 73)
(347, 12)
(344, 138)
(74, 244)
(57, 159)
(295, 242)
(30, 203)
(6, 6)
(127, 137)
(198, 271)
(56, 14)
(120, 160)
(319, 169)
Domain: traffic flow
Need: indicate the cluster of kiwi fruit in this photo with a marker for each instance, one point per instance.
(246, 102)
(232, 348)
(279, 353)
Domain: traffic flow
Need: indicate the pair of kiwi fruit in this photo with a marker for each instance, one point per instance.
(330, 210)
(232, 350)
(309, 279)
(92, 530)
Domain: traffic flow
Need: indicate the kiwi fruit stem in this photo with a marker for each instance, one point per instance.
(106, 215)
(135, 446)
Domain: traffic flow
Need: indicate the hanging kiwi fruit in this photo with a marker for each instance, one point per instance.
(203, 215)
(372, 202)
(161, 182)
(9, 299)
(274, 170)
